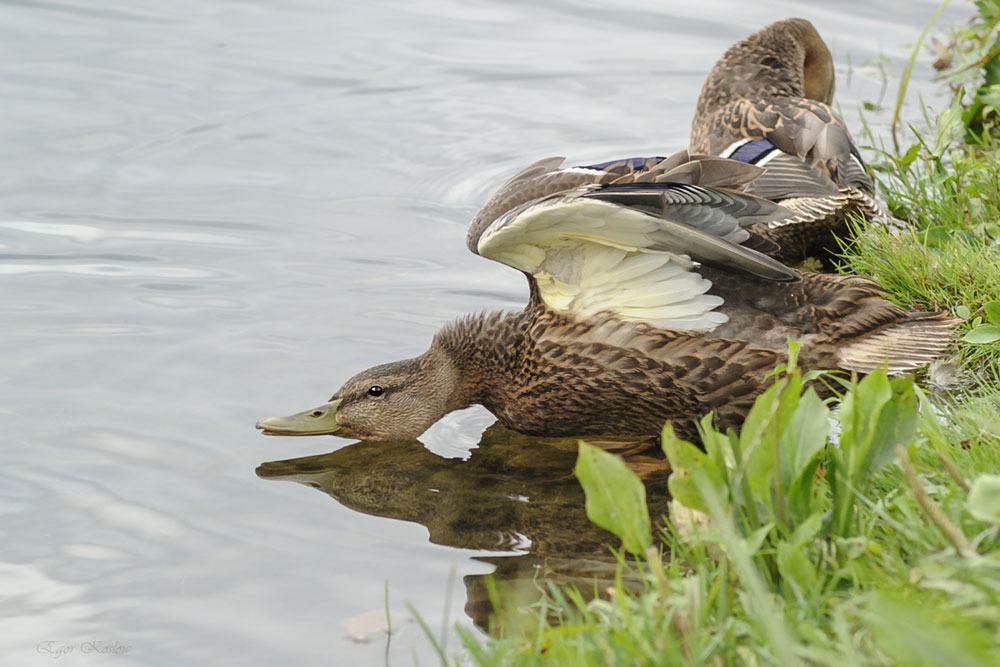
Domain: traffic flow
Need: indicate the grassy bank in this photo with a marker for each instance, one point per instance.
(782, 548)
(945, 182)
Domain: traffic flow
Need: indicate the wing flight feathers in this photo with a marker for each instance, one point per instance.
(631, 246)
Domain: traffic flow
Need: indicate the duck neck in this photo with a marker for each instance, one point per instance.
(483, 352)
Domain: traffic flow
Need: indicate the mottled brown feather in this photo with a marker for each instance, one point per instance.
(777, 84)
(548, 372)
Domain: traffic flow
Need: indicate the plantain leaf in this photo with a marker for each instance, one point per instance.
(685, 457)
(801, 443)
(992, 311)
(987, 333)
(984, 498)
(796, 568)
(909, 156)
(616, 498)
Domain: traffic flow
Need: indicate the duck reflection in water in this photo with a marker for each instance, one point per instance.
(514, 493)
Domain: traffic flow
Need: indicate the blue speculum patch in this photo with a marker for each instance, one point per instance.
(752, 151)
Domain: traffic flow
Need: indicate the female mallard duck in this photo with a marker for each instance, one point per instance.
(766, 102)
(648, 303)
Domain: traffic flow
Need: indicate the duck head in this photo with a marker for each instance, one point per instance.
(786, 59)
(386, 403)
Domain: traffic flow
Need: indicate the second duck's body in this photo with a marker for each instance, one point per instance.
(767, 102)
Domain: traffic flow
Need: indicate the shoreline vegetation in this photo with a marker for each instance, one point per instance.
(787, 547)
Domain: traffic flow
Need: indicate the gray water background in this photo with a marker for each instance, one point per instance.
(212, 212)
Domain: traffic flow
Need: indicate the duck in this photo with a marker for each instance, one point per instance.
(649, 301)
(767, 101)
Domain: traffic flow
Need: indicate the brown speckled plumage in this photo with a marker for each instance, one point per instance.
(542, 373)
(778, 84)
(647, 303)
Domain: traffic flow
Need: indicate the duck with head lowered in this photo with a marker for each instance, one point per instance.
(649, 301)
(767, 102)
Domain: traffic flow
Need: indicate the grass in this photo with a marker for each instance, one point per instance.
(845, 567)
(946, 184)
(949, 258)
(789, 548)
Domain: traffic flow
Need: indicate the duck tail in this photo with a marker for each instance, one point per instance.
(908, 344)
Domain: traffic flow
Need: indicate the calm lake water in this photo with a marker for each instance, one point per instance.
(212, 212)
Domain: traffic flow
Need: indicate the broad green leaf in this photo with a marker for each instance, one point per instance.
(963, 312)
(717, 445)
(754, 540)
(760, 447)
(987, 333)
(759, 417)
(859, 413)
(876, 416)
(800, 492)
(947, 123)
(796, 568)
(909, 156)
(897, 425)
(991, 68)
(938, 236)
(984, 498)
(684, 457)
(920, 634)
(616, 498)
(805, 435)
(806, 531)
(992, 311)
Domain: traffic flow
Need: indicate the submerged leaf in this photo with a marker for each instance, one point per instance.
(616, 498)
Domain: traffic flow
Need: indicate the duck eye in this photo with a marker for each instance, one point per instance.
(375, 390)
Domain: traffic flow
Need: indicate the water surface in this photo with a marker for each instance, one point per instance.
(212, 212)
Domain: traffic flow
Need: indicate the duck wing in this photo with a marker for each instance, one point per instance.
(626, 238)
(804, 145)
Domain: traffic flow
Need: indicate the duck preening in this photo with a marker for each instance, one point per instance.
(767, 102)
(650, 300)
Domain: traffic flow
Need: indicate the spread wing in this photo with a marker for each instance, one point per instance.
(630, 243)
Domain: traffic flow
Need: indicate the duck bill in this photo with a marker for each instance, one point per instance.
(317, 421)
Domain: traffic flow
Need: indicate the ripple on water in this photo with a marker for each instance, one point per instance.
(264, 203)
(190, 302)
(109, 270)
(97, 330)
(186, 232)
